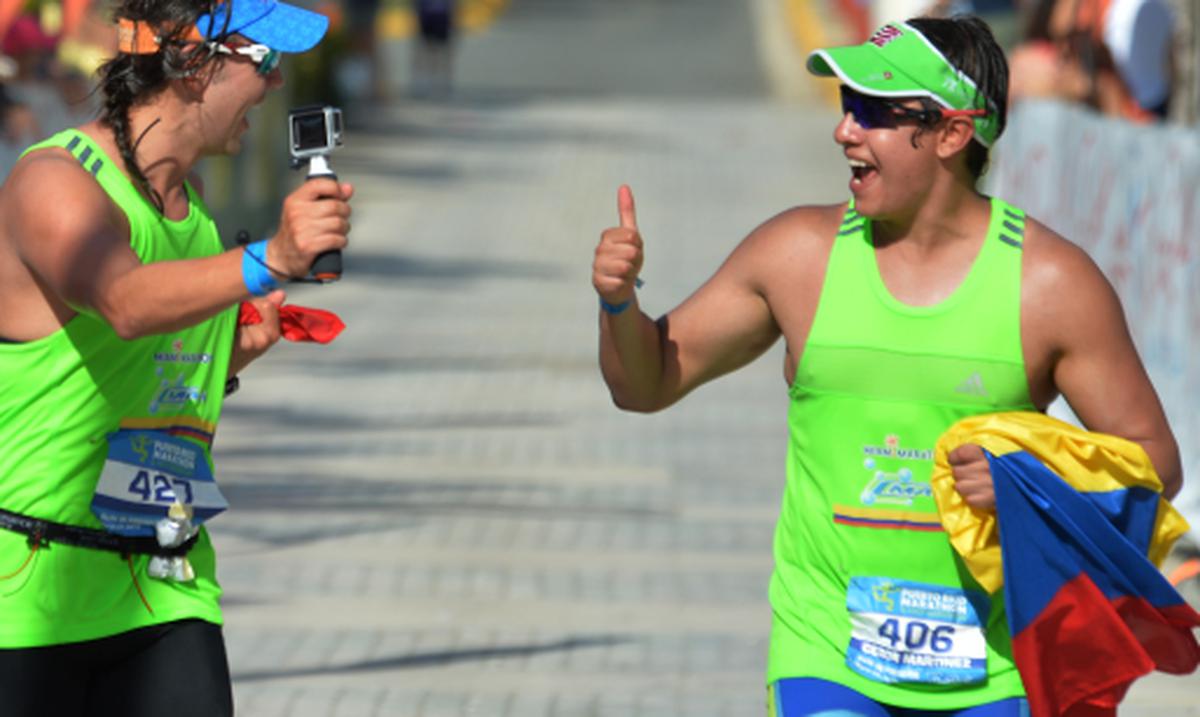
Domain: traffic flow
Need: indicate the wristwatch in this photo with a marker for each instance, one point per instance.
(232, 384)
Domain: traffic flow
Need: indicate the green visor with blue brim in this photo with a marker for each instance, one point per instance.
(898, 61)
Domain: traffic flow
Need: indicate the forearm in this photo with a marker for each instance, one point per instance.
(1164, 456)
(168, 296)
(239, 360)
(250, 343)
(631, 359)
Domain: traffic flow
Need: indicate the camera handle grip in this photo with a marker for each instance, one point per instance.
(327, 267)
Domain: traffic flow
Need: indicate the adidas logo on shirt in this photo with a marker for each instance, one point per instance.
(973, 385)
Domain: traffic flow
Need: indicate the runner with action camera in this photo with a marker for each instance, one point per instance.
(118, 332)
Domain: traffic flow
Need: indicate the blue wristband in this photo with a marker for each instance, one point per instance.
(615, 309)
(258, 278)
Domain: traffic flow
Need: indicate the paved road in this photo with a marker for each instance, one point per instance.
(442, 513)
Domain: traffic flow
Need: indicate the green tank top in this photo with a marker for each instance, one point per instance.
(867, 591)
(61, 396)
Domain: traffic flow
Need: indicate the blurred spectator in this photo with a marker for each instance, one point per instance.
(50, 50)
(31, 47)
(34, 29)
(433, 53)
(360, 73)
(1113, 55)
(17, 122)
(29, 52)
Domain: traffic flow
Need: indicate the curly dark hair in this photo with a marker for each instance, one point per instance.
(968, 43)
(128, 80)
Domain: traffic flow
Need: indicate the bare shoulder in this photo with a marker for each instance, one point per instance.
(1066, 300)
(1056, 270)
(81, 206)
(798, 238)
(49, 172)
(84, 218)
(799, 228)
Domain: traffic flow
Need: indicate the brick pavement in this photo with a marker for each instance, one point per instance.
(442, 513)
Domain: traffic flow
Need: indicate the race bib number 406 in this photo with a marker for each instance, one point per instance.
(145, 474)
(903, 631)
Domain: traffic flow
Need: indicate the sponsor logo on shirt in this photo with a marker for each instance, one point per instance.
(177, 355)
(891, 448)
(892, 488)
(176, 394)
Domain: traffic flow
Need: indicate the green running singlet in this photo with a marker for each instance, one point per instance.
(867, 591)
(61, 396)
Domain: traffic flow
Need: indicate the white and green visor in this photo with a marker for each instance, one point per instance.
(898, 61)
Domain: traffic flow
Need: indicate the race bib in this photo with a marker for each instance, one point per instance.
(148, 472)
(904, 631)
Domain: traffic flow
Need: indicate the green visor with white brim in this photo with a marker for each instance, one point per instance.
(898, 61)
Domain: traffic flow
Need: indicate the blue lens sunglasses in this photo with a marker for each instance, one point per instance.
(881, 113)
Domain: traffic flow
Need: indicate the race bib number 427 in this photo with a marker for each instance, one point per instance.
(903, 631)
(146, 473)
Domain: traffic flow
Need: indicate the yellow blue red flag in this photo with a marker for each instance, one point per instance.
(1079, 528)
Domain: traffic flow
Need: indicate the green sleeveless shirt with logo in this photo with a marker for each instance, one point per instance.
(62, 398)
(867, 591)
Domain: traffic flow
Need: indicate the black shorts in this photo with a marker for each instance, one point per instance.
(178, 669)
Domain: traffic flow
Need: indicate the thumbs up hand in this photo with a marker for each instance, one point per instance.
(619, 254)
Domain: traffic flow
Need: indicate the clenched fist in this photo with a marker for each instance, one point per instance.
(619, 254)
(315, 218)
(253, 340)
(973, 476)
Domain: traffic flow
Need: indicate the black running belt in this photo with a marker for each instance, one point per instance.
(47, 531)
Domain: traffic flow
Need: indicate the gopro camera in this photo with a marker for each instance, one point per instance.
(314, 131)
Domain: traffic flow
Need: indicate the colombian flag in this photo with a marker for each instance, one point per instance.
(1081, 525)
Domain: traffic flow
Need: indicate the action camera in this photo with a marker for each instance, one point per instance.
(314, 131)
